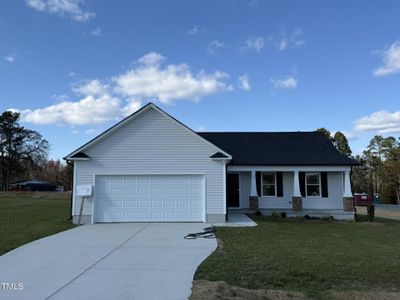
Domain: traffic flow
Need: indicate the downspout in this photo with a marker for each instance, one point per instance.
(72, 188)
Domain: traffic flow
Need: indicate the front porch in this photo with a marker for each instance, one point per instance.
(338, 214)
(316, 191)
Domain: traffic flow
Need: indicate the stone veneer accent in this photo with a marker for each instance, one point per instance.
(348, 204)
(253, 202)
(297, 203)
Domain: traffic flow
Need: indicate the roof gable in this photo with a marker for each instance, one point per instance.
(130, 118)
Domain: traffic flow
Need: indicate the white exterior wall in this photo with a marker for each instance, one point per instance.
(280, 202)
(335, 195)
(333, 201)
(152, 143)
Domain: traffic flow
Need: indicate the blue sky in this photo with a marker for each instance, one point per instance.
(73, 68)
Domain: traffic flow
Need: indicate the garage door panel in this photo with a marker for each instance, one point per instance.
(130, 203)
(144, 198)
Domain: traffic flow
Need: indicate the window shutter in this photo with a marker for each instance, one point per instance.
(324, 184)
(279, 184)
(302, 182)
(258, 183)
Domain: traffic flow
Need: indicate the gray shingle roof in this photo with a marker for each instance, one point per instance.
(278, 148)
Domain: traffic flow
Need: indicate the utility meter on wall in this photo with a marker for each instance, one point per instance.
(84, 190)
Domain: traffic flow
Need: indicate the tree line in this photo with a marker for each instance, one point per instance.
(24, 155)
(379, 169)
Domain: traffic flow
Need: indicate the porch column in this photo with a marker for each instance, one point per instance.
(297, 200)
(348, 204)
(296, 185)
(253, 198)
(347, 185)
(253, 184)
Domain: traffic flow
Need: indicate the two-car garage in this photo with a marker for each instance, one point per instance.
(149, 198)
(149, 167)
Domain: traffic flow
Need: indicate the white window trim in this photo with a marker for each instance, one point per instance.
(262, 184)
(319, 184)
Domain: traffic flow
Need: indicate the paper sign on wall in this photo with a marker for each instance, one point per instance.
(84, 190)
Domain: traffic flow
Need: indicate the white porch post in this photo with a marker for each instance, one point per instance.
(253, 191)
(296, 185)
(347, 185)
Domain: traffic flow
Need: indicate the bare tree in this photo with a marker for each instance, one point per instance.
(19, 147)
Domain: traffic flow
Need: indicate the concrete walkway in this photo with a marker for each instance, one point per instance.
(237, 220)
(107, 261)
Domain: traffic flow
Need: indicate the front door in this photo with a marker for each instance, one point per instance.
(233, 190)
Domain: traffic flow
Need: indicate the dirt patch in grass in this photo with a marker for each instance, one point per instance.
(210, 290)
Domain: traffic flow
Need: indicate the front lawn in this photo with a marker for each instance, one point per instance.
(315, 257)
(25, 217)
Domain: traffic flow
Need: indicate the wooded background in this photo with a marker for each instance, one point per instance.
(24, 155)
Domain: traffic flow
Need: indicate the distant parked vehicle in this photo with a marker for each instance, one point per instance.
(32, 185)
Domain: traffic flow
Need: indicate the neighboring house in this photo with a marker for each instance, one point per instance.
(32, 185)
(151, 167)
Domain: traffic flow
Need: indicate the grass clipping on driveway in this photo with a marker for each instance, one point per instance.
(25, 217)
(316, 258)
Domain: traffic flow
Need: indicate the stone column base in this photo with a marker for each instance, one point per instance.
(348, 204)
(253, 202)
(297, 203)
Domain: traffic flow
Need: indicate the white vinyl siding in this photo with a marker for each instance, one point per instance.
(152, 144)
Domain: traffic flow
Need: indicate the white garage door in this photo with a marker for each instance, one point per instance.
(149, 198)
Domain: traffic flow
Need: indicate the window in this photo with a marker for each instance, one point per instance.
(313, 185)
(268, 184)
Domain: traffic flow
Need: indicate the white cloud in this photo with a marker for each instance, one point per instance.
(71, 8)
(244, 82)
(287, 83)
(168, 83)
(391, 61)
(89, 110)
(293, 40)
(214, 46)
(200, 128)
(96, 32)
(10, 58)
(195, 30)
(71, 74)
(380, 121)
(254, 43)
(93, 87)
(151, 59)
(149, 79)
(131, 107)
(60, 98)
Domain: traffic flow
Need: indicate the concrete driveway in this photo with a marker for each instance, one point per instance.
(107, 261)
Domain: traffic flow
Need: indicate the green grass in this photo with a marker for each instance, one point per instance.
(25, 217)
(310, 256)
